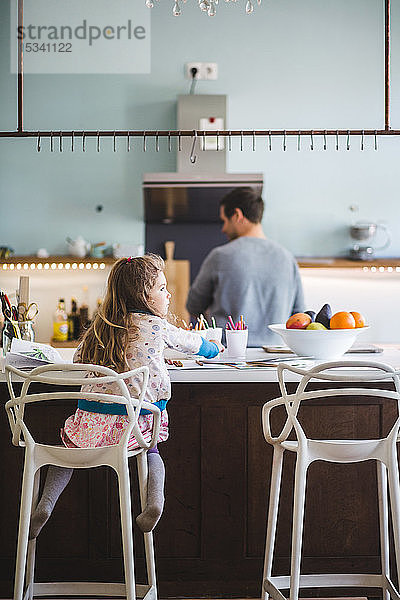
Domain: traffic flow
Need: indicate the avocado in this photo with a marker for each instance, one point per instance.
(324, 315)
(311, 314)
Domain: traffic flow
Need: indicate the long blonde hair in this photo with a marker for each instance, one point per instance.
(128, 287)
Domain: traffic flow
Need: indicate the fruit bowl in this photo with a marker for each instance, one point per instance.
(322, 344)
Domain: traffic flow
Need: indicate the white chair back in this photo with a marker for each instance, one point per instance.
(361, 372)
(77, 375)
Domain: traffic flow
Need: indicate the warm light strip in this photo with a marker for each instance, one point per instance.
(53, 266)
(382, 269)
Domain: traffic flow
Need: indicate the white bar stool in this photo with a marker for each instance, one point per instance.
(338, 451)
(116, 457)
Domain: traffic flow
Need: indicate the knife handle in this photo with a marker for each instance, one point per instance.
(169, 250)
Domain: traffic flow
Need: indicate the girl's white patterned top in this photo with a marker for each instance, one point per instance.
(86, 429)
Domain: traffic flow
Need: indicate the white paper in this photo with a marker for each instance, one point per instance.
(25, 354)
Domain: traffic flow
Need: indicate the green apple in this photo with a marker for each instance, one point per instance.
(315, 326)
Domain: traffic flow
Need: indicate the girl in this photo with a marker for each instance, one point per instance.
(130, 330)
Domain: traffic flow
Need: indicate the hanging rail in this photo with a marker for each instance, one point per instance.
(201, 133)
(20, 132)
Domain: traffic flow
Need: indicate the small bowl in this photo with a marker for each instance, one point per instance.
(322, 344)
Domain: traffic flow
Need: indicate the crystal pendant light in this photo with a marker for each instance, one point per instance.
(212, 11)
(176, 11)
(208, 6)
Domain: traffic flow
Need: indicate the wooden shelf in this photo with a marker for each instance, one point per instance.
(13, 260)
(344, 263)
(304, 263)
(68, 344)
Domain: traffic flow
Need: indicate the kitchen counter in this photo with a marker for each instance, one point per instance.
(212, 373)
(210, 540)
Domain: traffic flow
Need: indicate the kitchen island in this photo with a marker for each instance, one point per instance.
(210, 539)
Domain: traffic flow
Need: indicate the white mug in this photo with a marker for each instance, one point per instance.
(213, 334)
(236, 343)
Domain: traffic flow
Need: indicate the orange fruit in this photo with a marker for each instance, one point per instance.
(342, 320)
(298, 321)
(359, 319)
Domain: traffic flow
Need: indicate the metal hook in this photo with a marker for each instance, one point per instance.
(241, 141)
(114, 143)
(325, 139)
(217, 141)
(230, 141)
(362, 140)
(254, 141)
(98, 141)
(157, 143)
(193, 157)
(269, 141)
(169, 141)
(348, 140)
(60, 142)
(144, 141)
(375, 141)
(38, 142)
(72, 141)
(128, 142)
(298, 142)
(51, 141)
(204, 140)
(311, 141)
(284, 140)
(337, 140)
(83, 142)
(179, 142)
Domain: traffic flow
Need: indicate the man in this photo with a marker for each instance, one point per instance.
(250, 276)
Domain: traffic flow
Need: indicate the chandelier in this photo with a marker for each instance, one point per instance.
(207, 6)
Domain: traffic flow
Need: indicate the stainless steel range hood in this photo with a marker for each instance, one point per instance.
(191, 197)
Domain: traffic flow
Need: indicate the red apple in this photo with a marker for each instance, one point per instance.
(298, 321)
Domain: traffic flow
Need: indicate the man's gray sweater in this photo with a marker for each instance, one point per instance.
(253, 277)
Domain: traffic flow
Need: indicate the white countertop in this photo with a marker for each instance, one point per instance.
(390, 355)
(222, 374)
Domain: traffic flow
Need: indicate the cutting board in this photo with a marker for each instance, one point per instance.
(177, 273)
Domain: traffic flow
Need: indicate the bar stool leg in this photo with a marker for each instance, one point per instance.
(126, 529)
(298, 522)
(383, 521)
(275, 490)
(24, 522)
(31, 555)
(148, 537)
(394, 491)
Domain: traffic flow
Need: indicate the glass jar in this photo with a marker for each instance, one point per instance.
(26, 330)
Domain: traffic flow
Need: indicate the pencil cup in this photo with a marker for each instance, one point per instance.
(26, 330)
(236, 343)
(214, 334)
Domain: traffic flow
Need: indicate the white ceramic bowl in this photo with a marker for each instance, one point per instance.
(322, 344)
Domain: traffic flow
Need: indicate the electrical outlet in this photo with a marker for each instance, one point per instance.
(210, 70)
(204, 70)
(193, 65)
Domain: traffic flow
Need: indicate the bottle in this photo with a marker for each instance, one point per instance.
(73, 321)
(84, 321)
(60, 323)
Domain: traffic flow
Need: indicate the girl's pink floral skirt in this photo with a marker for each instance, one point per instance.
(90, 430)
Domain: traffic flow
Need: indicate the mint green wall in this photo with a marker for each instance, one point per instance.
(291, 64)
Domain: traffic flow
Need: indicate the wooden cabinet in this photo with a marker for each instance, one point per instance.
(211, 536)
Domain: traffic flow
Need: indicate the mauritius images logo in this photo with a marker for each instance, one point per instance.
(94, 36)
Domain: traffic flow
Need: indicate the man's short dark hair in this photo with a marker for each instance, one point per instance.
(249, 202)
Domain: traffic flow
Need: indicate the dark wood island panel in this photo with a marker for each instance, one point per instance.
(211, 536)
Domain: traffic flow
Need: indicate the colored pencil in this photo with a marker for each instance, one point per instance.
(202, 317)
(231, 323)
